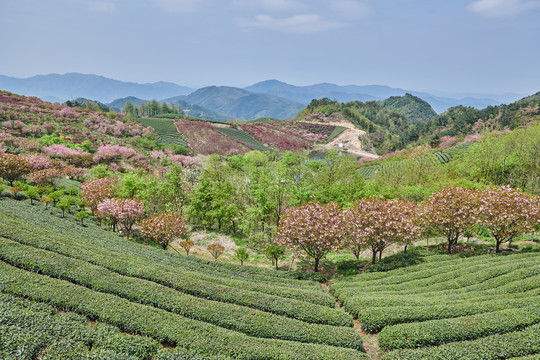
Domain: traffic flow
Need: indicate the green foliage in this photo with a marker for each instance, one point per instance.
(226, 282)
(242, 319)
(410, 106)
(440, 288)
(27, 326)
(503, 160)
(437, 332)
(241, 254)
(503, 346)
(158, 324)
(274, 252)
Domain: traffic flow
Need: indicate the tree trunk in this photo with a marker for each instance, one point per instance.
(449, 246)
(497, 246)
(380, 255)
(316, 268)
(374, 257)
(405, 249)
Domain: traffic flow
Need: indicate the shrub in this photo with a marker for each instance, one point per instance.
(216, 250)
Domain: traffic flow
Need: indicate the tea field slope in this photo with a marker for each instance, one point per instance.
(180, 307)
(484, 307)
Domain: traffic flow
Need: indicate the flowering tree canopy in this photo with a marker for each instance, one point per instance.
(13, 167)
(376, 223)
(63, 151)
(125, 212)
(164, 228)
(450, 212)
(112, 152)
(312, 228)
(94, 191)
(506, 213)
(45, 177)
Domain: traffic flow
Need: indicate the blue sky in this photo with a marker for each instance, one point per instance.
(477, 46)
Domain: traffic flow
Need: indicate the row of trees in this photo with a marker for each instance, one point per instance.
(151, 108)
(314, 229)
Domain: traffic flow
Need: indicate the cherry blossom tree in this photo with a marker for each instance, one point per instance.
(62, 151)
(13, 167)
(376, 223)
(125, 212)
(450, 212)
(95, 191)
(164, 228)
(110, 152)
(45, 177)
(312, 228)
(507, 213)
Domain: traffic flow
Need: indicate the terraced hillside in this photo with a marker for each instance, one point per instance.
(166, 130)
(68, 291)
(485, 307)
(439, 157)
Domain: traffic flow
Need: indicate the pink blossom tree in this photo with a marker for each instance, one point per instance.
(163, 228)
(376, 223)
(62, 151)
(312, 228)
(95, 191)
(125, 212)
(507, 213)
(110, 152)
(13, 167)
(450, 212)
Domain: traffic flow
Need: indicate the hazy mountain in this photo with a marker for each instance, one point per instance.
(74, 85)
(271, 98)
(410, 106)
(196, 110)
(344, 93)
(118, 104)
(304, 94)
(242, 104)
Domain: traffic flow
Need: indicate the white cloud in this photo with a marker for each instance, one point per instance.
(271, 5)
(303, 24)
(181, 6)
(349, 9)
(502, 8)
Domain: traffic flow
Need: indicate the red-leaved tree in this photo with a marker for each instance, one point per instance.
(312, 228)
(450, 212)
(163, 228)
(507, 213)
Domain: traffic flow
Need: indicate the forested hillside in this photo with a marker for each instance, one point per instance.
(401, 122)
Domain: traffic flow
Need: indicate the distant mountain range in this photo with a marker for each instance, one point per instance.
(271, 98)
(75, 85)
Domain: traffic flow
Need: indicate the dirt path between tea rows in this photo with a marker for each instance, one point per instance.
(369, 341)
